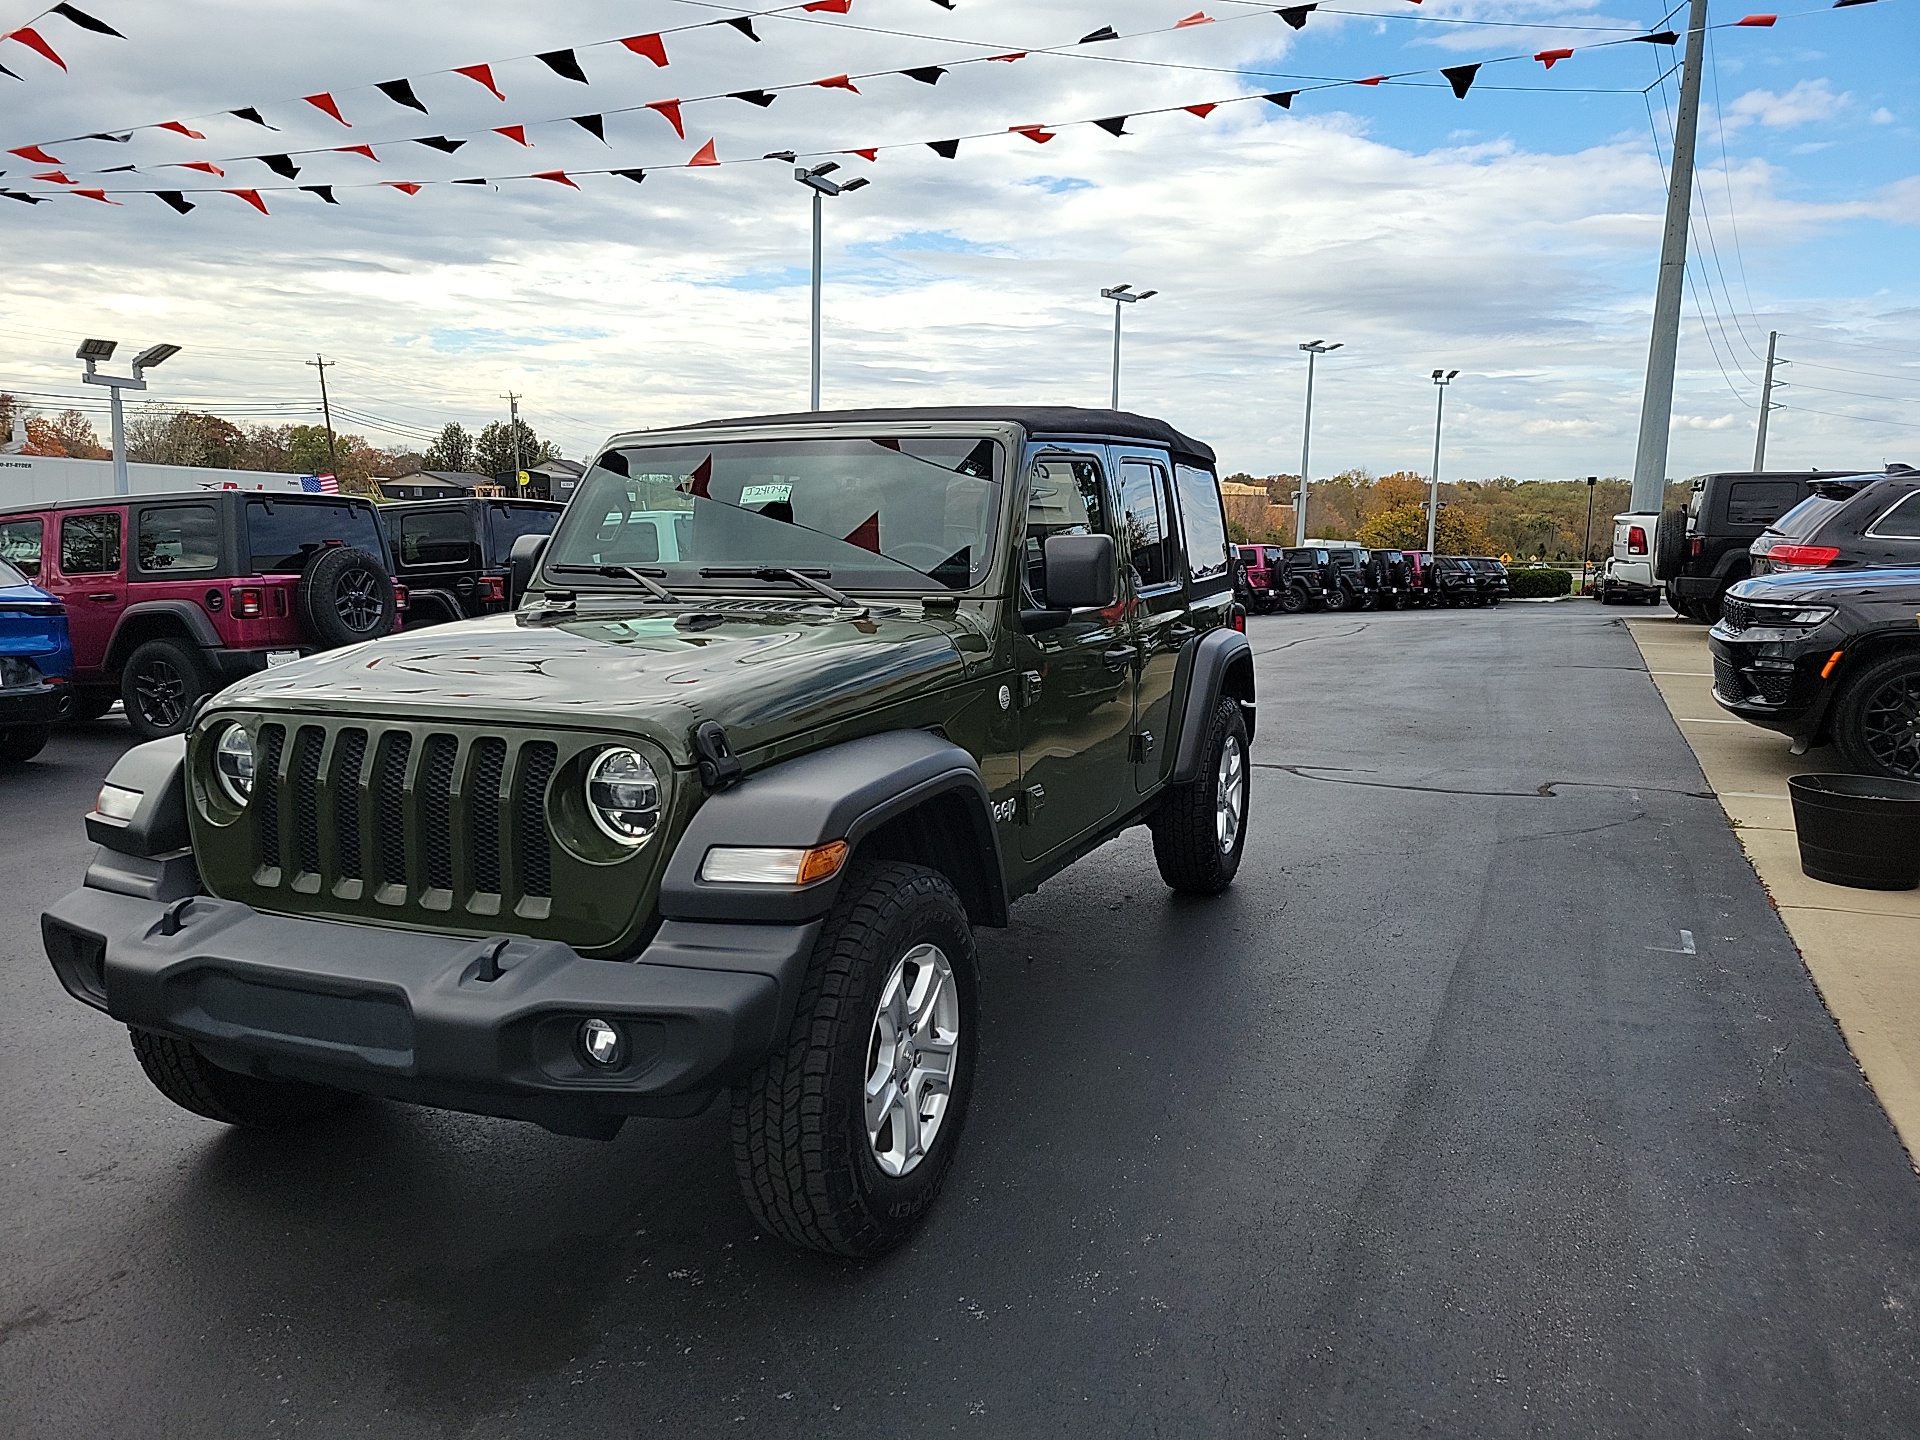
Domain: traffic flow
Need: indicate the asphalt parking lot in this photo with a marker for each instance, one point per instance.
(1493, 1100)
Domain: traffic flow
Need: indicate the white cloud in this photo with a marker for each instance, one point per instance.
(1806, 102)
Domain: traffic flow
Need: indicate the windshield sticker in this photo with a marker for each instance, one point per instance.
(765, 494)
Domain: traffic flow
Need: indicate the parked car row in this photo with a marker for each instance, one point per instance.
(1323, 577)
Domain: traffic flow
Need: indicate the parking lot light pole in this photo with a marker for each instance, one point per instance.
(1441, 378)
(93, 352)
(1121, 295)
(1586, 545)
(816, 181)
(1314, 349)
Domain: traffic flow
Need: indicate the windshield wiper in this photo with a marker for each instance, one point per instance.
(809, 579)
(642, 578)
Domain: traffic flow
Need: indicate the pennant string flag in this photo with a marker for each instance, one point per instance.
(30, 38)
(564, 64)
(594, 126)
(652, 47)
(85, 21)
(1460, 77)
(481, 75)
(401, 93)
(323, 102)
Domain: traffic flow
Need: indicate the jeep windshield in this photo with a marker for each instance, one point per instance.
(868, 514)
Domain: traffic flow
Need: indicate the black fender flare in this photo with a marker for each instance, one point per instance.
(190, 617)
(436, 595)
(843, 792)
(1206, 663)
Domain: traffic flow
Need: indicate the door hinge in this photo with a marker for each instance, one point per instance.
(1031, 799)
(1140, 746)
(1029, 688)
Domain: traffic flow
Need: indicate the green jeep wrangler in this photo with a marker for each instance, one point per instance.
(790, 705)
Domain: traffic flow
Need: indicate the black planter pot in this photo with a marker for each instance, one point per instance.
(1858, 830)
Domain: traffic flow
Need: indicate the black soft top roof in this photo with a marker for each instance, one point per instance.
(95, 502)
(1041, 422)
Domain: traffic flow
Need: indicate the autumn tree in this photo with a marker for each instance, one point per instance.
(1404, 527)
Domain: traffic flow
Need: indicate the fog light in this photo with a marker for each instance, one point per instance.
(602, 1043)
(116, 802)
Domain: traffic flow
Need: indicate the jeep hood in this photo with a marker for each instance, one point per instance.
(763, 677)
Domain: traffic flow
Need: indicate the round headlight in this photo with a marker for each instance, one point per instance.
(623, 796)
(233, 763)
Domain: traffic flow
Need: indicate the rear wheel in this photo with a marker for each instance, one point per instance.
(1876, 721)
(1200, 830)
(193, 1082)
(1294, 599)
(162, 683)
(1670, 544)
(20, 743)
(1337, 598)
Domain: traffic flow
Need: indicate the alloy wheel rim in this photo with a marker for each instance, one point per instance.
(162, 694)
(1230, 795)
(357, 598)
(912, 1055)
(1891, 722)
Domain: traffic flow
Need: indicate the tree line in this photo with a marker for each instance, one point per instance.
(159, 434)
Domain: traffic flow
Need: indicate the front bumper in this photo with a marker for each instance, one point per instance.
(32, 705)
(1774, 684)
(408, 1016)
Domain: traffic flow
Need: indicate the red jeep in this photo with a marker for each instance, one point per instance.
(170, 597)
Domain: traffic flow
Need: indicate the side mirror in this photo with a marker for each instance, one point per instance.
(1081, 572)
(525, 559)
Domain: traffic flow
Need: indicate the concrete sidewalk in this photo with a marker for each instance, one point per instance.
(1862, 947)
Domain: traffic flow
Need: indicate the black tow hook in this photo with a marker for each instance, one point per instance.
(719, 766)
(489, 968)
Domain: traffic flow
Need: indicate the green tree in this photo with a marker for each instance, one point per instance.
(494, 452)
(451, 451)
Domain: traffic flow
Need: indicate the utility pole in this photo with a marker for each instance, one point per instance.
(320, 363)
(1766, 405)
(1586, 545)
(513, 432)
(1315, 349)
(1656, 407)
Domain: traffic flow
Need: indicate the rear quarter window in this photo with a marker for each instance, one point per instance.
(1902, 522)
(1204, 523)
(1756, 504)
(177, 539)
(435, 537)
(1809, 515)
(20, 544)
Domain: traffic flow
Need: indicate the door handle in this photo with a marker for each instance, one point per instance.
(104, 596)
(1121, 656)
(1180, 634)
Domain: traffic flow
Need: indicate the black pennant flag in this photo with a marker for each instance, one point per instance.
(563, 64)
(118, 169)
(742, 23)
(439, 142)
(116, 139)
(786, 155)
(247, 112)
(175, 199)
(1105, 32)
(1660, 37)
(5, 71)
(945, 149)
(636, 176)
(1113, 125)
(86, 21)
(762, 98)
(925, 74)
(944, 4)
(401, 93)
(279, 164)
(1460, 77)
(1282, 98)
(593, 125)
(1296, 15)
(15, 194)
(325, 192)
(477, 180)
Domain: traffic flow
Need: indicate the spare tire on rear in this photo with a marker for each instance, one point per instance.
(1669, 544)
(345, 596)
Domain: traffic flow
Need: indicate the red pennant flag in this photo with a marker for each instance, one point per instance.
(651, 46)
(559, 177)
(405, 187)
(1199, 17)
(1374, 80)
(670, 109)
(55, 177)
(837, 82)
(830, 7)
(1009, 59)
(324, 102)
(705, 156)
(867, 534)
(99, 195)
(1549, 58)
(1201, 110)
(205, 167)
(35, 154)
(179, 129)
(1762, 22)
(700, 480)
(1039, 134)
(30, 38)
(252, 197)
(480, 74)
(366, 150)
(873, 154)
(515, 133)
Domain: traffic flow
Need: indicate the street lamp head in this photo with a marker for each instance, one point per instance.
(855, 184)
(95, 350)
(1148, 294)
(1320, 347)
(816, 179)
(1436, 376)
(826, 169)
(1125, 293)
(154, 355)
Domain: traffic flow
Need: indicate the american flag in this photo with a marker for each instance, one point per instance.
(319, 484)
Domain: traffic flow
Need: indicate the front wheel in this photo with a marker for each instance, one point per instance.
(844, 1134)
(1338, 599)
(193, 1082)
(1200, 830)
(1876, 720)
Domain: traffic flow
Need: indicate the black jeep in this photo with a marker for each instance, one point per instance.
(1490, 575)
(1454, 581)
(1387, 569)
(455, 556)
(1701, 550)
(1343, 572)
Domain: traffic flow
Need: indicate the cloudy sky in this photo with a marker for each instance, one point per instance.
(1512, 235)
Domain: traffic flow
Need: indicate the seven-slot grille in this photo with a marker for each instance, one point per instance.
(1738, 614)
(406, 817)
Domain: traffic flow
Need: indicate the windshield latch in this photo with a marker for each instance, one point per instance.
(719, 766)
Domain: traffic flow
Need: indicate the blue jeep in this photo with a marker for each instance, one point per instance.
(36, 663)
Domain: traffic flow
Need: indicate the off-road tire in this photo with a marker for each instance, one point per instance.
(1669, 544)
(162, 684)
(193, 1082)
(800, 1143)
(344, 596)
(20, 743)
(1850, 716)
(89, 705)
(1295, 600)
(1337, 599)
(1186, 830)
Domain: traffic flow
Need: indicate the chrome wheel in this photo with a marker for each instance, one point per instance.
(911, 1058)
(1891, 725)
(358, 600)
(1230, 794)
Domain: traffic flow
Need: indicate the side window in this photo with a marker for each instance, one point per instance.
(1065, 496)
(178, 539)
(20, 545)
(1150, 538)
(1205, 524)
(1900, 523)
(90, 544)
(436, 537)
(1760, 502)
